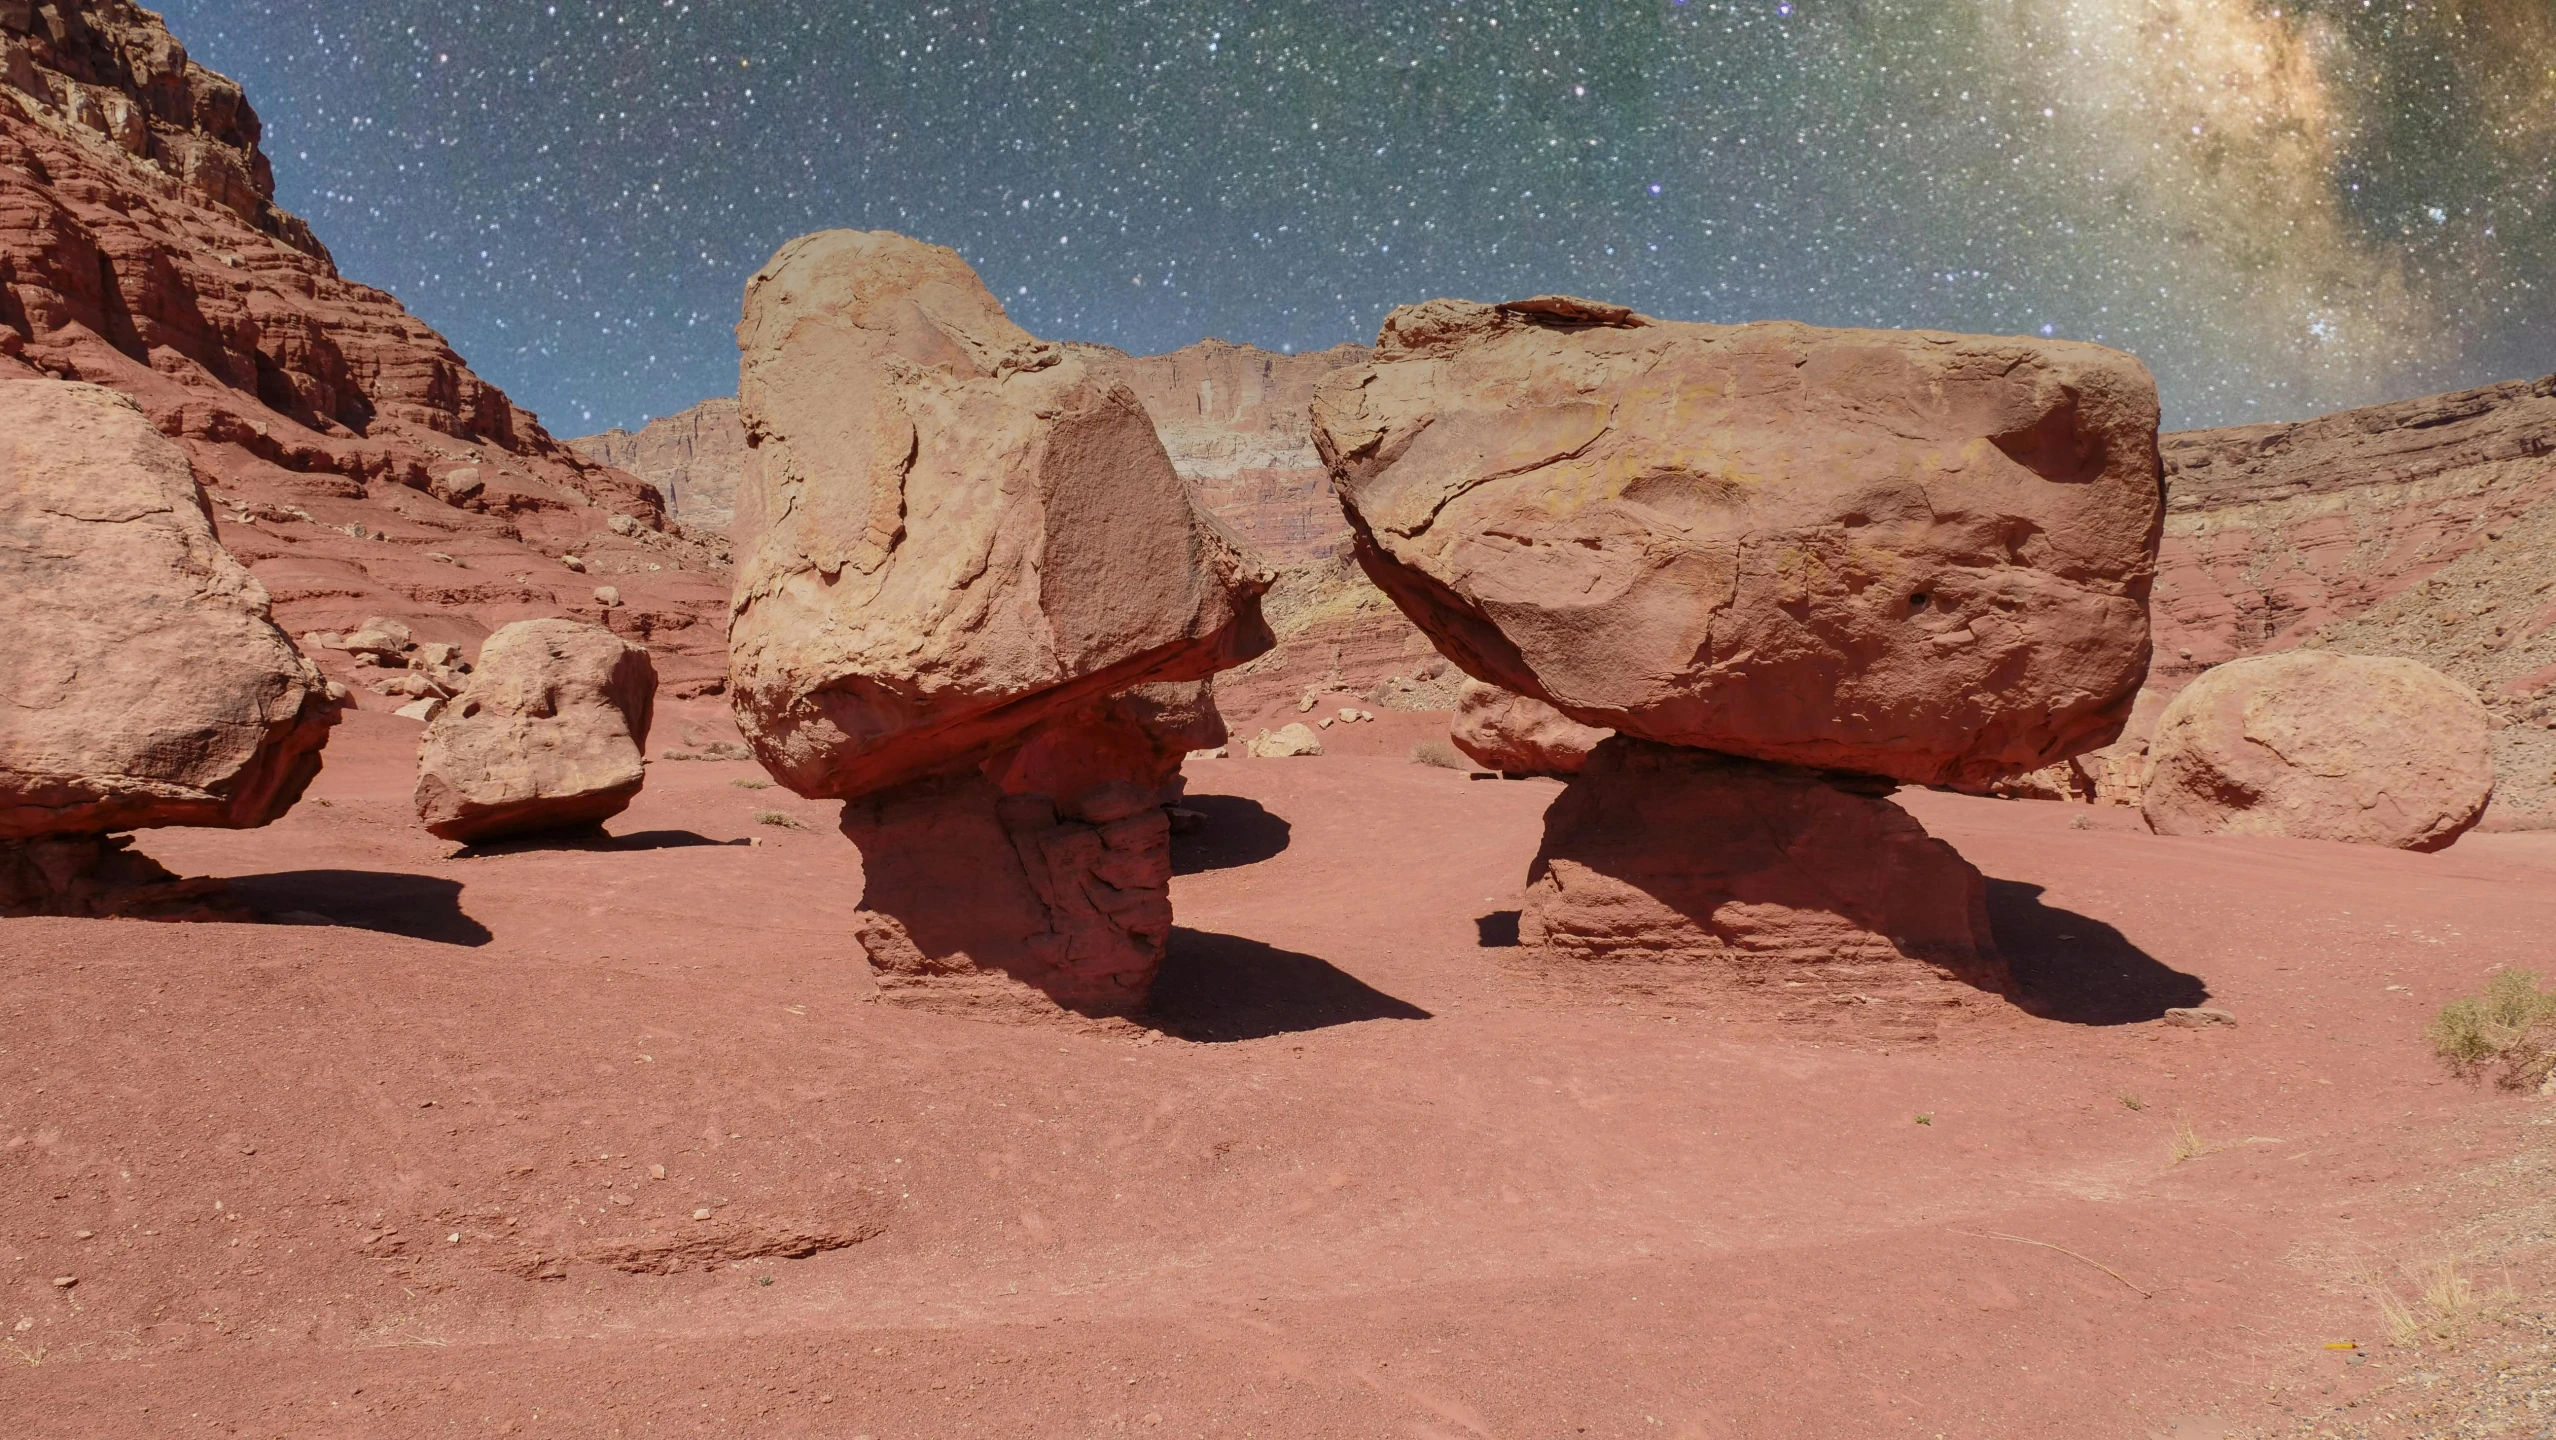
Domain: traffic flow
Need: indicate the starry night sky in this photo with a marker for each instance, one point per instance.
(2283, 208)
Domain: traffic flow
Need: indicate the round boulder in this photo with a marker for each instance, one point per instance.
(548, 736)
(2318, 746)
(1519, 735)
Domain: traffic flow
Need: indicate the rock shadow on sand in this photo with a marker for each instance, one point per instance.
(421, 907)
(595, 838)
(1217, 988)
(1236, 832)
(2080, 971)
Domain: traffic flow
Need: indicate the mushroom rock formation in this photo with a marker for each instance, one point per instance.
(964, 544)
(146, 684)
(1516, 735)
(2320, 746)
(548, 736)
(1892, 554)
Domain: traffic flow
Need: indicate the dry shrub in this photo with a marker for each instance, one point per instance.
(2444, 1305)
(777, 818)
(1440, 754)
(2505, 1030)
(2188, 1144)
(751, 784)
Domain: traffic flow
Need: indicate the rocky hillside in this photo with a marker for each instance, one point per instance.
(694, 459)
(352, 459)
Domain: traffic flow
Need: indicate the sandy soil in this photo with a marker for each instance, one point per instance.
(604, 1140)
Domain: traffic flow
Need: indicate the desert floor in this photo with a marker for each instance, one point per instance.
(606, 1139)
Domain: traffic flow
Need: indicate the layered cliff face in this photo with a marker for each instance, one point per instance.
(1236, 421)
(694, 459)
(352, 459)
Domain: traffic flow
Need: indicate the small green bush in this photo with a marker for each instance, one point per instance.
(2504, 1030)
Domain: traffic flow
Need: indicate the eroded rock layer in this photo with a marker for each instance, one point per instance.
(1919, 555)
(1685, 877)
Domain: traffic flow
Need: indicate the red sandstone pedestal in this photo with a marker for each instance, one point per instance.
(1684, 877)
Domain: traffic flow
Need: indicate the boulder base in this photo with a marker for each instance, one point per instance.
(1037, 881)
(1519, 735)
(98, 877)
(2319, 746)
(1684, 877)
(548, 736)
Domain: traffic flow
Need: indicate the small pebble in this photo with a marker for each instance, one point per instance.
(701, 1214)
(65, 1282)
(656, 1172)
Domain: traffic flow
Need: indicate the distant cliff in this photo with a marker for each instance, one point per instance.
(693, 458)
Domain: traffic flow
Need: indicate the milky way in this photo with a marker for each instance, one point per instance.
(2283, 208)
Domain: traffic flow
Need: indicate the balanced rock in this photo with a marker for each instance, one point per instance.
(1911, 554)
(2320, 746)
(958, 544)
(1907, 555)
(145, 683)
(548, 735)
(1518, 735)
(1683, 876)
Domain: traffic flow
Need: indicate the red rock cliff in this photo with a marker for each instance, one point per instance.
(354, 461)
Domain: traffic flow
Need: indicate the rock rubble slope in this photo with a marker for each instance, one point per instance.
(964, 543)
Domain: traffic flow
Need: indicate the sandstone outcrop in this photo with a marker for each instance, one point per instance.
(2320, 746)
(548, 735)
(1683, 876)
(145, 682)
(1919, 555)
(354, 463)
(965, 543)
(1516, 735)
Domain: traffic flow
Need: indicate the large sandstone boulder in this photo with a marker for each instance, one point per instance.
(2321, 746)
(1517, 734)
(958, 544)
(141, 680)
(548, 736)
(1918, 555)
(1682, 876)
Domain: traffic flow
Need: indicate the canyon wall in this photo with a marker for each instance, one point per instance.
(694, 458)
(351, 459)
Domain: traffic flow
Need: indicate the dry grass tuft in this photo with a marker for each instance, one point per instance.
(777, 819)
(2445, 1304)
(2505, 1030)
(1440, 754)
(749, 783)
(2188, 1144)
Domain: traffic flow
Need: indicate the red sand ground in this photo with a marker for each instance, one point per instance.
(309, 1178)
